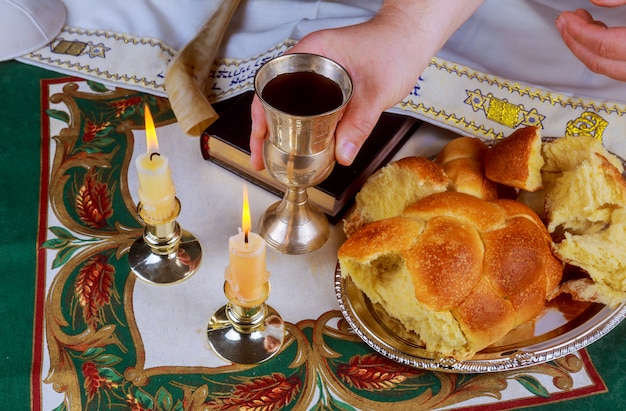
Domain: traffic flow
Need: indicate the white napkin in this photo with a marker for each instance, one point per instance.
(27, 25)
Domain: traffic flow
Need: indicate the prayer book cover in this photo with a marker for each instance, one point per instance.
(227, 143)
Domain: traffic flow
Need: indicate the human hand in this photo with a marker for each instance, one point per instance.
(378, 84)
(600, 48)
(384, 56)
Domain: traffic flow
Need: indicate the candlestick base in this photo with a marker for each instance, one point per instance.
(165, 254)
(246, 332)
(246, 335)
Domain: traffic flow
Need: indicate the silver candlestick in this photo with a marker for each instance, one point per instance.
(165, 253)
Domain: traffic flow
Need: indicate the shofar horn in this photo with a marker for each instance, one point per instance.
(188, 72)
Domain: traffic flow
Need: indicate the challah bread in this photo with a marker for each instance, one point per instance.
(388, 191)
(600, 255)
(462, 161)
(561, 155)
(516, 161)
(585, 209)
(458, 167)
(566, 153)
(588, 290)
(582, 199)
(441, 269)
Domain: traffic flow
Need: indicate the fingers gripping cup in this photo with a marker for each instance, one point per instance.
(304, 96)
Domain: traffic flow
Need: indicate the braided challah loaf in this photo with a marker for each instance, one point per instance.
(459, 271)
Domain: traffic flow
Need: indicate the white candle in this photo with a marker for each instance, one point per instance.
(157, 192)
(246, 274)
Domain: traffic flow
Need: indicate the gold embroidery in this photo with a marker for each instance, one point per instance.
(533, 118)
(78, 48)
(73, 48)
(475, 99)
(546, 105)
(66, 53)
(502, 112)
(588, 124)
(97, 50)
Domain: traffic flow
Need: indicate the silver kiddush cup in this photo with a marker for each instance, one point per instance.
(299, 151)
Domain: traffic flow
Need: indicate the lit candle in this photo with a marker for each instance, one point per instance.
(157, 193)
(246, 275)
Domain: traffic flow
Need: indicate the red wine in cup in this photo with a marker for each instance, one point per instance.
(302, 93)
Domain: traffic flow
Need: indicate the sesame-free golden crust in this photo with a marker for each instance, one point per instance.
(388, 191)
(462, 160)
(424, 169)
(489, 263)
(510, 160)
(485, 316)
(481, 213)
(392, 235)
(462, 147)
(448, 257)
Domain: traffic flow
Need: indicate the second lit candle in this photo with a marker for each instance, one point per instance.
(246, 275)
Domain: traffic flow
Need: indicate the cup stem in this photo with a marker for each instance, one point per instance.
(294, 225)
(294, 209)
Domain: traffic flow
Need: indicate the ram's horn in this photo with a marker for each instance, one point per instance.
(187, 73)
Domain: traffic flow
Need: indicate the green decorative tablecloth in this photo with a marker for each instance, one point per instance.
(68, 316)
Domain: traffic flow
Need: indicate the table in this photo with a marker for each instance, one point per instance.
(80, 332)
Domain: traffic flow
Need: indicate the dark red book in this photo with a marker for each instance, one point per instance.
(226, 142)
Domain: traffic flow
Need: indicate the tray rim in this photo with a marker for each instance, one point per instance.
(611, 318)
(607, 319)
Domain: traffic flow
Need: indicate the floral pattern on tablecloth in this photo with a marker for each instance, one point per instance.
(95, 348)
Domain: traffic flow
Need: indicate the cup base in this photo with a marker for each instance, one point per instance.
(298, 232)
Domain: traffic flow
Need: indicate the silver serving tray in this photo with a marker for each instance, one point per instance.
(565, 326)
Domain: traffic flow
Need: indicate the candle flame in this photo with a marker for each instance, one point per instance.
(246, 221)
(151, 137)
